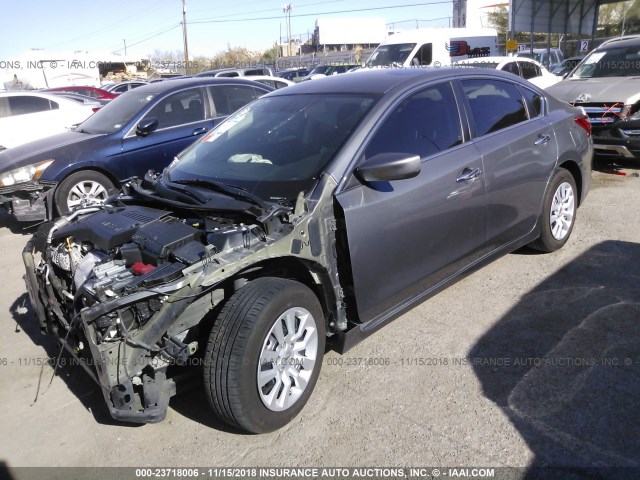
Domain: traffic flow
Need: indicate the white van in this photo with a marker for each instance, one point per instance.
(434, 47)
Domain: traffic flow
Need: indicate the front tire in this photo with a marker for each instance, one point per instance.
(264, 354)
(558, 213)
(81, 189)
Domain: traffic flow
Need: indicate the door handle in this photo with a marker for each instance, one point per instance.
(469, 174)
(542, 139)
(199, 131)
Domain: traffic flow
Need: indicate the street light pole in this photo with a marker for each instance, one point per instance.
(184, 37)
(125, 46)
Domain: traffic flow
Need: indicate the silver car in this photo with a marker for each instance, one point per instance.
(313, 216)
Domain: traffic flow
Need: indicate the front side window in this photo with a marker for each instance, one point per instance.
(424, 124)
(423, 56)
(277, 146)
(494, 104)
(390, 55)
(179, 108)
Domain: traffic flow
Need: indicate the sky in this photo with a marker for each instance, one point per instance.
(147, 26)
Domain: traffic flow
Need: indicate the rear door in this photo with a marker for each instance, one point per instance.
(406, 236)
(519, 151)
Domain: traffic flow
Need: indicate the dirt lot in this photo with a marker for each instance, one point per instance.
(532, 361)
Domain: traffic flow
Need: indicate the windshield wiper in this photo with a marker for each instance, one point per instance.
(230, 190)
(181, 189)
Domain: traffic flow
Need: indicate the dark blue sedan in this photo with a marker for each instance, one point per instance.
(142, 129)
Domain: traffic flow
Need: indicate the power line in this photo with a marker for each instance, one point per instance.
(129, 17)
(323, 13)
(150, 37)
(297, 5)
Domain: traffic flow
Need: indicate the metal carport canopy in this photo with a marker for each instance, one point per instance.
(555, 16)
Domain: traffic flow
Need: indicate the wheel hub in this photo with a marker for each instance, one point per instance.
(562, 211)
(287, 359)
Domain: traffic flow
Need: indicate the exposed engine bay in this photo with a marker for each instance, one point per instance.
(110, 273)
(125, 286)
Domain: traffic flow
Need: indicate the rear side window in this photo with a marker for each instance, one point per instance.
(511, 67)
(229, 98)
(494, 104)
(424, 124)
(120, 89)
(88, 93)
(534, 102)
(529, 70)
(21, 105)
(4, 107)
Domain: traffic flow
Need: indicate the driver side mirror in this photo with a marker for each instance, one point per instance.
(385, 167)
(146, 126)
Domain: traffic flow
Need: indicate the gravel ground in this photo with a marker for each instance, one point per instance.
(532, 361)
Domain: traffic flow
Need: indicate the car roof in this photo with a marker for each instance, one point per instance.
(630, 40)
(179, 84)
(498, 59)
(79, 87)
(258, 78)
(378, 81)
(35, 93)
(229, 69)
(539, 50)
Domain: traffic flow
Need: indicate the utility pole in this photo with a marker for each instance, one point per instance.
(184, 37)
(286, 9)
(125, 46)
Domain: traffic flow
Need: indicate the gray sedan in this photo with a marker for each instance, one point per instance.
(314, 215)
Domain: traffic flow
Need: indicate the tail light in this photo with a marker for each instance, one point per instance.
(95, 109)
(583, 121)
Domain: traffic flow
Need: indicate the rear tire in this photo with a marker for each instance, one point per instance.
(558, 213)
(264, 354)
(83, 188)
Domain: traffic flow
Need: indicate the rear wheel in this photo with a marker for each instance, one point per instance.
(558, 213)
(81, 189)
(264, 354)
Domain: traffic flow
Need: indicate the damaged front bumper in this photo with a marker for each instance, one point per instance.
(29, 201)
(131, 372)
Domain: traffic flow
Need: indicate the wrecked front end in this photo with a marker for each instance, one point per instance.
(114, 284)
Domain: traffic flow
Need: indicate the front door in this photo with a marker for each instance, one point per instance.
(407, 236)
(181, 120)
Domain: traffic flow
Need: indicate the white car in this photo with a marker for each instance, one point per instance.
(523, 67)
(27, 116)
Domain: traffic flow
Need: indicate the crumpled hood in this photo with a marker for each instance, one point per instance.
(599, 90)
(45, 148)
